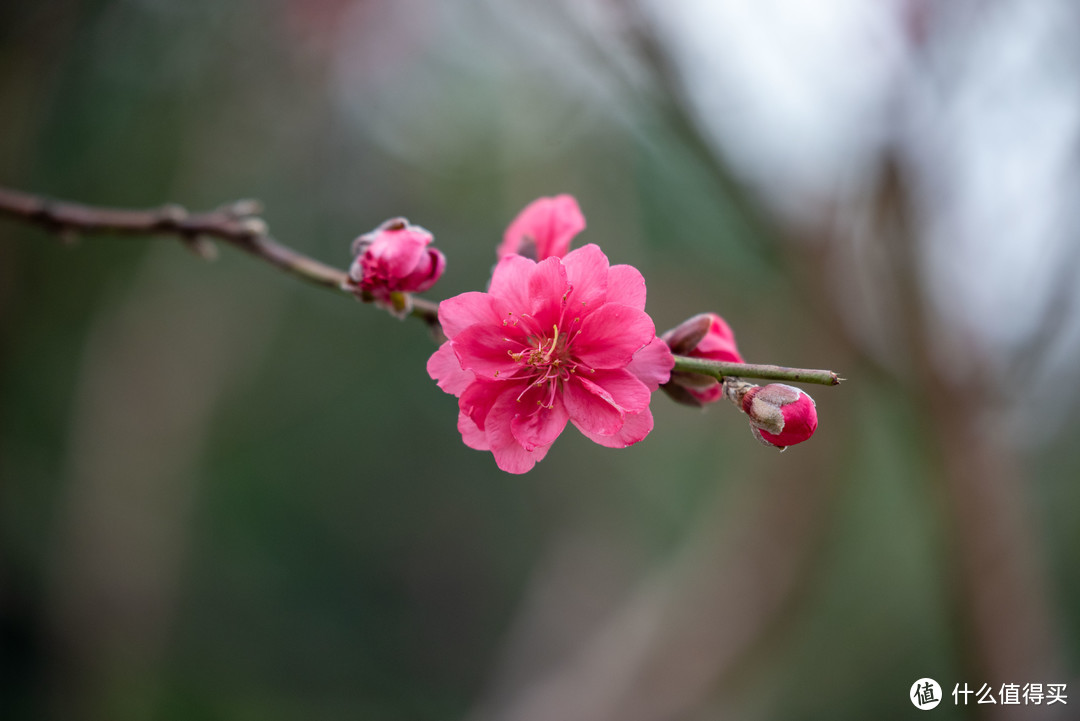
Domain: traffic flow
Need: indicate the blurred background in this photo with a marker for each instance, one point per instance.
(225, 494)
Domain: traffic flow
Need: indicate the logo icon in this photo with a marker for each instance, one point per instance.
(925, 694)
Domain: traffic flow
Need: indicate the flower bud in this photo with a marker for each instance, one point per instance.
(392, 260)
(780, 415)
(706, 335)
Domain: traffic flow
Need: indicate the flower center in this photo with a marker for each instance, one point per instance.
(548, 362)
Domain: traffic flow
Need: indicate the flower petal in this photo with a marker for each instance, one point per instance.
(611, 335)
(509, 454)
(587, 273)
(619, 387)
(708, 395)
(485, 350)
(547, 294)
(458, 313)
(718, 343)
(634, 428)
(592, 412)
(626, 285)
(477, 400)
(652, 364)
(544, 228)
(470, 434)
(535, 424)
(427, 271)
(399, 251)
(444, 367)
(510, 281)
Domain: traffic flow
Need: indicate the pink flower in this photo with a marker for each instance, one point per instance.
(543, 229)
(708, 336)
(565, 339)
(780, 415)
(392, 260)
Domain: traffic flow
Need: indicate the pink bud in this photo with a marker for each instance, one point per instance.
(706, 335)
(543, 229)
(392, 260)
(780, 415)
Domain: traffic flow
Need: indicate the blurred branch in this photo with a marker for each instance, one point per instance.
(670, 97)
(664, 98)
(1002, 611)
(236, 223)
(1002, 615)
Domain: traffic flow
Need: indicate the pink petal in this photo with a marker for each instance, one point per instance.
(427, 271)
(549, 224)
(470, 434)
(547, 288)
(477, 400)
(587, 272)
(618, 387)
(509, 454)
(510, 281)
(800, 422)
(485, 350)
(537, 425)
(399, 251)
(611, 336)
(626, 286)
(634, 428)
(592, 412)
(444, 367)
(718, 343)
(652, 364)
(708, 395)
(458, 313)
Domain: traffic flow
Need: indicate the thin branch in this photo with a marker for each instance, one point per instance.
(239, 225)
(719, 370)
(235, 223)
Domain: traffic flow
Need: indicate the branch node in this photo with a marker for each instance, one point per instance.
(254, 227)
(200, 246)
(171, 215)
(244, 208)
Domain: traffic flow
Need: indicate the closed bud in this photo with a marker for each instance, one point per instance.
(392, 260)
(780, 415)
(708, 336)
(685, 337)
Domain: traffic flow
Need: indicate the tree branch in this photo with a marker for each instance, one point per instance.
(719, 370)
(239, 224)
(236, 223)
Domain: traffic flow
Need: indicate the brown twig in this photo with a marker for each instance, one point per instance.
(236, 223)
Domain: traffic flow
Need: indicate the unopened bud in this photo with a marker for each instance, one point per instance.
(708, 336)
(392, 260)
(685, 337)
(780, 415)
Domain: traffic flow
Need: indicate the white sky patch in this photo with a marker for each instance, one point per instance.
(792, 90)
(1005, 154)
